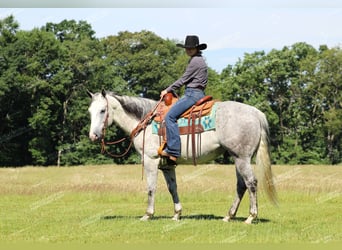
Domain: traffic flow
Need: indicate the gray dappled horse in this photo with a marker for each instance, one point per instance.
(242, 130)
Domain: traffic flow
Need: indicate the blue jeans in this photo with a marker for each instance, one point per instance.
(191, 96)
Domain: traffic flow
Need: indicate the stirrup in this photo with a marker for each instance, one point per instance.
(161, 148)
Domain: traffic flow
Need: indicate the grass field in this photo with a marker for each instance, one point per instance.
(103, 204)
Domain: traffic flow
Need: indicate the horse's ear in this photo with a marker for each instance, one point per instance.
(103, 93)
(90, 94)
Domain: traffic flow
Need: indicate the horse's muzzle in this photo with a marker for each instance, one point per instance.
(94, 137)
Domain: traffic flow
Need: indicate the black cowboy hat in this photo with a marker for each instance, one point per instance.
(192, 42)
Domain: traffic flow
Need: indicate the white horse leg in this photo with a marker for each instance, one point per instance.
(240, 191)
(171, 181)
(178, 212)
(151, 173)
(253, 209)
(245, 172)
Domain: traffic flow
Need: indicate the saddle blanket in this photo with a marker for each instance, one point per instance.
(207, 122)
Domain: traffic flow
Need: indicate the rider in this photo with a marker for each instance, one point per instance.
(195, 79)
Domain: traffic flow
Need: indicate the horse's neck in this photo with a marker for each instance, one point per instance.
(120, 117)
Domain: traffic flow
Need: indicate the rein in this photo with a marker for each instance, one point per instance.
(103, 143)
(135, 132)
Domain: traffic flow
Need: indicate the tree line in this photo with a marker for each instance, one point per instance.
(45, 72)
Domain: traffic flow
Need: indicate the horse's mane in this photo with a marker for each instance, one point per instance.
(136, 106)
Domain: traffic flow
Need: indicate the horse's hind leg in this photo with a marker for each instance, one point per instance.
(245, 180)
(240, 191)
(171, 181)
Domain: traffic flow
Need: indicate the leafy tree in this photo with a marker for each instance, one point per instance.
(44, 74)
(287, 96)
(279, 83)
(323, 82)
(145, 61)
(70, 30)
(8, 30)
(81, 63)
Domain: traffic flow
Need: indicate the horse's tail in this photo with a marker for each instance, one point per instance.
(263, 161)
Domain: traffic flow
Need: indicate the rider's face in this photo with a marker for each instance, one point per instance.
(191, 51)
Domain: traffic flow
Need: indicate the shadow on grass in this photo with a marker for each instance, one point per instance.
(185, 217)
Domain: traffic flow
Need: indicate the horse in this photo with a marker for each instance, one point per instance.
(241, 130)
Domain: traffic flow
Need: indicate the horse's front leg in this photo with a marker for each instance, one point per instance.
(151, 173)
(171, 181)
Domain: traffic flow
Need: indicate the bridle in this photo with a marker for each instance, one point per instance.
(104, 143)
(142, 125)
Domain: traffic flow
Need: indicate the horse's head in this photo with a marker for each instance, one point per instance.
(126, 111)
(99, 114)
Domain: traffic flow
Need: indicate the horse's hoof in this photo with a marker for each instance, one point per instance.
(177, 215)
(146, 217)
(250, 219)
(226, 219)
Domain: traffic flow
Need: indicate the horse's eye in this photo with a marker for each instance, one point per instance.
(103, 111)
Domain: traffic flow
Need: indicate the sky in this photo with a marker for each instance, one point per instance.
(229, 32)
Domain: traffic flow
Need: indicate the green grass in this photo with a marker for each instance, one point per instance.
(103, 204)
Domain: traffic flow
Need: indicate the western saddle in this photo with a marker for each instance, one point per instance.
(201, 108)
